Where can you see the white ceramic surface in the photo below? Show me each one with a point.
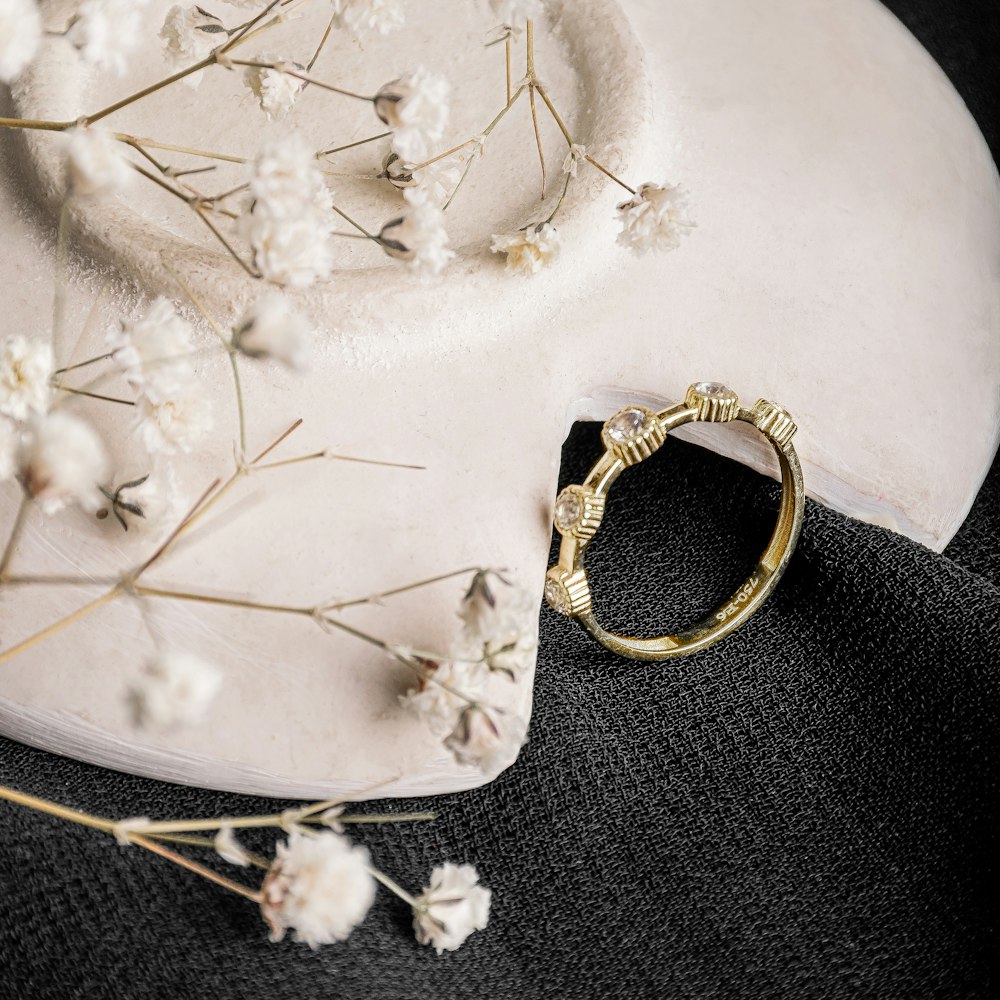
(845, 264)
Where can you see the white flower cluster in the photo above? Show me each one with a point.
(451, 907)
(320, 887)
(176, 689)
(497, 640)
(190, 35)
(106, 32)
(290, 219)
(655, 218)
(58, 458)
(155, 353)
(94, 163)
(418, 236)
(20, 35)
(276, 91)
(415, 107)
(272, 330)
(359, 16)
(528, 250)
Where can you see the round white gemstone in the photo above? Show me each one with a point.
(714, 390)
(626, 424)
(556, 596)
(569, 510)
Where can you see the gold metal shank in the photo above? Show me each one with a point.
(566, 586)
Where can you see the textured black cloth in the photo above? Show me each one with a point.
(808, 809)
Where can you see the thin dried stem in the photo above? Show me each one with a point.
(351, 145)
(84, 364)
(230, 602)
(332, 456)
(93, 395)
(58, 626)
(322, 43)
(538, 134)
(305, 77)
(54, 809)
(393, 887)
(193, 866)
(405, 588)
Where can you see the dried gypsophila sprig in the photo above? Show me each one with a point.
(416, 108)
(319, 886)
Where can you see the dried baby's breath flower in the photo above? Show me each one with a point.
(8, 449)
(290, 220)
(528, 250)
(515, 14)
(61, 461)
(451, 907)
(148, 504)
(319, 887)
(272, 329)
(189, 35)
(575, 155)
(154, 351)
(174, 422)
(359, 16)
(176, 689)
(415, 107)
(498, 619)
(94, 162)
(486, 737)
(20, 34)
(437, 698)
(654, 218)
(439, 179)
(106, 32)
(275, 90)
(229, 848)
(25, 370)
(418, 236)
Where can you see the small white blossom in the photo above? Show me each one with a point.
(528, 250)
(498, 620)
(486, 738)
(438, 179)
(191, 34)
(124, 829)
(654, 219)
(229, 848)
(515, 14)
(94, 162)
(8, 449)
(61, 461)
(319, 887)
(155, 350)
(273, 330)
(20, 35)
(175, 423)
(418, 236)
(25, 370)
(415, 107)
(438, 702)
(149, 504)
(451, 907)
(275, 90)
(290, 221)
(106, 32)
(575, 155)
(176, 689)
(359, 16)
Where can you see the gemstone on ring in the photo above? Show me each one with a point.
(567, 592)
(713, 401)
(633, 434)
(578, 512)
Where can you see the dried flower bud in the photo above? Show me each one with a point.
(389, 99)
(397, 172)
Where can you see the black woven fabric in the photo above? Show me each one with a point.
(809, 809)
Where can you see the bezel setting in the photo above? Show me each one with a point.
(589, 512)
(633, 434)
(568, 592)
(713, 401)
(774, 421)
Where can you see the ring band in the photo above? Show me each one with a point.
(632, 435)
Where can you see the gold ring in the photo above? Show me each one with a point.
(632, 435)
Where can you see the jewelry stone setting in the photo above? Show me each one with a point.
(568, 592)
(713, 401)
(633, 434)
(578, 512)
